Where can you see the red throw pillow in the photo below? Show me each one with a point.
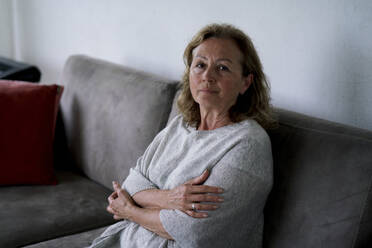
(28, 115)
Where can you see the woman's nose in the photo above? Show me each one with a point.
(209, 75)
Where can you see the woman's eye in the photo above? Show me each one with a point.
(200, 65)
(223, 68)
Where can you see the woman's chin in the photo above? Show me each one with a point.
(208, 103)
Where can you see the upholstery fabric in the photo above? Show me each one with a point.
(78, 240)
(27, 122)
(111, 114)
(174, 109)
(30, 214)
(300, 120)
(321, 186)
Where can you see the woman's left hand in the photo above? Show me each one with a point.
(120, 203)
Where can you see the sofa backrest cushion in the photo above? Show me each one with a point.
(322, 189)
(174, 109)
(295, 119)
(111, 114)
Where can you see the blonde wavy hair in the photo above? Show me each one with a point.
(254, 103)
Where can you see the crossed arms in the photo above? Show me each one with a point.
(144, 207)
(245, 174)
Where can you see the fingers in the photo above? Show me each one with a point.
(205, 189)
(116, 185)
(193, 211)
(118, 189)
(204, 198)
(196, 214)
(207, 207)
(110, 210)
(185, 189)
(202, 193)
(116, 217)
(200, 179)
(113, 212)
(123, 193)
(112, 197)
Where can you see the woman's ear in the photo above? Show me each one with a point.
(247, 81)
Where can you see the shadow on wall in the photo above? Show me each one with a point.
(346, 77)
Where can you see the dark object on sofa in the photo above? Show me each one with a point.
(322, 170)
(13, 70)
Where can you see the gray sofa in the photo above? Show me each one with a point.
(322, 194)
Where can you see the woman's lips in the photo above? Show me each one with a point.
(208, 91)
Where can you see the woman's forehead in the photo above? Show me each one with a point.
(218, 48)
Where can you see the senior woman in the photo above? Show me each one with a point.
(205, 178)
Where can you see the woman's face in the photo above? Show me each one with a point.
(216, 77)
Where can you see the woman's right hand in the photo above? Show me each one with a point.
(193, 193)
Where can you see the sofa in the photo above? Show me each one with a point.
(108, 115)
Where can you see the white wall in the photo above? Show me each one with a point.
(6, 29)
(317, 54)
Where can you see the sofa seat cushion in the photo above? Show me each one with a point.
(77, 240)
(322, 190)
(30, 214)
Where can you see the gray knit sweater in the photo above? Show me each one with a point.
(239, 157)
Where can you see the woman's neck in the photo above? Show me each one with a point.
(210, 120)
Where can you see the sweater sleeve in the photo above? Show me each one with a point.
(137, 179)
(245, 173)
